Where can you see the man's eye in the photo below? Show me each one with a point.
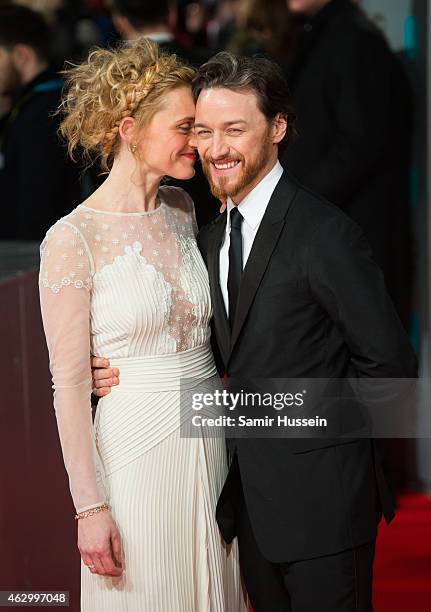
(235, 131)
(203, 133)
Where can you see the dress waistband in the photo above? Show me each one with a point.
(169, 372)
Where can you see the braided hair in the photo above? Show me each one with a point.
(111, 84)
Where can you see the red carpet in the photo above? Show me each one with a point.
(403, 559)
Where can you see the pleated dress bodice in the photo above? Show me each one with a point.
(148, 283)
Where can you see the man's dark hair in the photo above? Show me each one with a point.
(141, 13)
(257, 74)
(21, 25)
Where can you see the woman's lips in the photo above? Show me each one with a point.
(190, 156)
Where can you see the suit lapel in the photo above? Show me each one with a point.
(221, 322)
(263, 246)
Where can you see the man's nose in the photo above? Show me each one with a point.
(218, 148)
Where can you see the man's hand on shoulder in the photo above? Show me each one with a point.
(104, 377)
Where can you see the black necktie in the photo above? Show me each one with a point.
(235, 262)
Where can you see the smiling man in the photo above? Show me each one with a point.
(235, 164)
(295, 294)
(238, 151)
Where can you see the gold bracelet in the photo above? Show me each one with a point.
(87, 513)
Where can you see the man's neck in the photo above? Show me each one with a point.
(249, 188)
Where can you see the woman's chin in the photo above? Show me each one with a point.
(183, 175)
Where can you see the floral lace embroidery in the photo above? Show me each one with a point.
(81, 248)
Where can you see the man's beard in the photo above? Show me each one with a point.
(221, 188)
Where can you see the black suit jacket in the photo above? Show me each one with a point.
(350, 92)
(312, 303)
(38, 183)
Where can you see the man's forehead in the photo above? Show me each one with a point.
(225, 96)
(230, 105)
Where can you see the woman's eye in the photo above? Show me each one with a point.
(185, 129)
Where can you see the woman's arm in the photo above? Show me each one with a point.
(65, 284)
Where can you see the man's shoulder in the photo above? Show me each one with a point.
(38, 115)
(307, 200)
(351, 28)
(315, 213)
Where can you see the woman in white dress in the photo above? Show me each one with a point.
(121, 276)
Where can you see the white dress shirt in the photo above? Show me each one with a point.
(160, 37)
(252, 208)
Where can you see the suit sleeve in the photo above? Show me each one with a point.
(350, 287)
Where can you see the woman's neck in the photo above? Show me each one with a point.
(128, 188)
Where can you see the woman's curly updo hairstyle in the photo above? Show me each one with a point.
(128, 81)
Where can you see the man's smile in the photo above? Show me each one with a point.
(224, 167)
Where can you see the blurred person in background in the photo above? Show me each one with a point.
(227, 15)
(262, 30)
(192, 22)
(37, 182)
(155, 19)
(353, 104)
(47, 7)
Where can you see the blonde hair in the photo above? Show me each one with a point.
(128, 81)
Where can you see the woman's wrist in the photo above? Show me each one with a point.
(92, 511)
(100, 502)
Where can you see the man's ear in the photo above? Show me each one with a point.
(279, 128)
(22, 55)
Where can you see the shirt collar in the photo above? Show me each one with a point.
(254, 205)
(160, 37)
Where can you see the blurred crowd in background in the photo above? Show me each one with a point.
(351, 94)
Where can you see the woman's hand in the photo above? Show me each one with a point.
(100, 545)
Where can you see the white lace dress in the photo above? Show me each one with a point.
(133, 287)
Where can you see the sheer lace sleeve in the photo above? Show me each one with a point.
(65, 284)
(191, 206)
(180, 200)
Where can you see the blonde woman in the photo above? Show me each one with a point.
(121, 276)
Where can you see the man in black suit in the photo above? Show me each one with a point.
(296, 294)
(38, 183)
(354, 108)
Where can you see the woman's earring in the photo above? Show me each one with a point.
(133, 148)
